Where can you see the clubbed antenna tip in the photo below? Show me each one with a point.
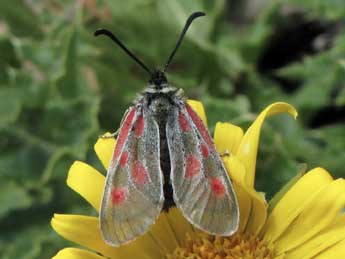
(189, 21)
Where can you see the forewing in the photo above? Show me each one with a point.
(202, 188)
(133, 192)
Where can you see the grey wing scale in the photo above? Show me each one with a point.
(133, 193)
(202, 188)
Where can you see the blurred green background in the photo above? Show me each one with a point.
(60, 88)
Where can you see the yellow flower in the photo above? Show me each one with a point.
(305, 222)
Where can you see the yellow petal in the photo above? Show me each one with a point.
(104, 148)
(179, 225)
(317, 215)
(277, 197)
(164, 234)
(281, 256)
(321, 242)
(86, 181)
(82, 230)
(198, 107)
(227, 137)
(235, 169)
(258, 212)
(85, 231)
(335, 252)
(245, 204)
(293, 202)
(248, 147)
(76, 253)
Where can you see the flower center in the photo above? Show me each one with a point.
(204, 246)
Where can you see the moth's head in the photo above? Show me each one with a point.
(158, 79)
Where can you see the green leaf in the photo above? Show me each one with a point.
(10, 106)
(333, 9)
(69, 82)
(235, 110)
(35, 242)
(8, 55)
(177, 12)
(279, 195)
(21, 18)
(12, 197)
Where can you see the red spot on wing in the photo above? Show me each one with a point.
(200, 126)
(193, 166)
(139, 173)
(126, 126)
(204, 150)
(184, 124)
(139, 126)
(217, 187)
(123, 159)
(118, 195)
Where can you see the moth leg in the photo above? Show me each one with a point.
(110, 135)
(225, 153)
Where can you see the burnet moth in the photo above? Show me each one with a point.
(164, 156)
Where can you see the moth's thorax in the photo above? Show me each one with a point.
(160, 100)
(160, 106)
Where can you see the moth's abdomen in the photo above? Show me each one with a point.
(166, 169)
(161, 118)
(161, 106)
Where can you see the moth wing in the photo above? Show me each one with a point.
(133, 192)
(202, 188)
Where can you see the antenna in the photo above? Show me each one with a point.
(186, 26)
(123, 47)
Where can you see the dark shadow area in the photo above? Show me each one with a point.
(293, 39)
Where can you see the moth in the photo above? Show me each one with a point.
(164, 156)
